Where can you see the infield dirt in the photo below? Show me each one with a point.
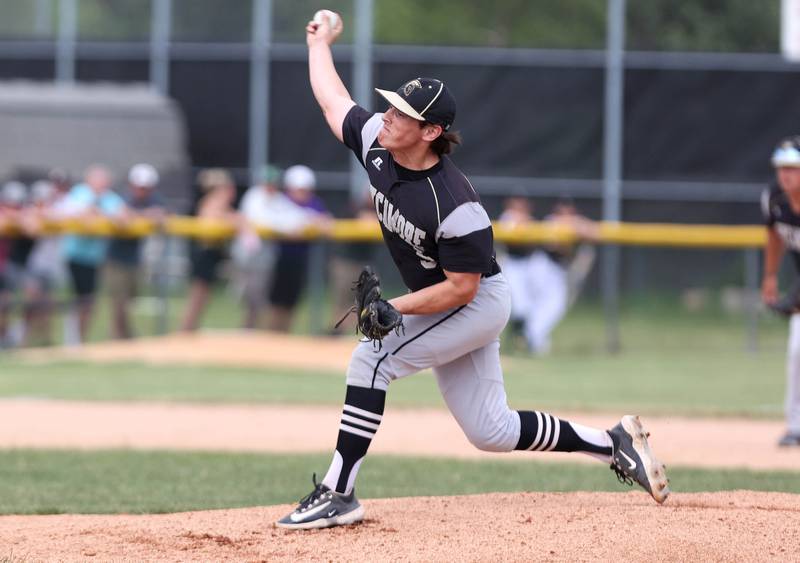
(26, 423)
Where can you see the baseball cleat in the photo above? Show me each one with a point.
(633, 461)
(790, 439)
(323, 508)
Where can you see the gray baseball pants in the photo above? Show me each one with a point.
(793, 376)
(462, 346)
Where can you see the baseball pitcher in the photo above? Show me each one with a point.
(440, 239)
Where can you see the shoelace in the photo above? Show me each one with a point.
(315, 494)
(622, 477)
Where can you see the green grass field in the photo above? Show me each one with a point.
(731, 384)
(45, 482)
(672, 362)
(581, 331)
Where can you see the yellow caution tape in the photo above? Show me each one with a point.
(642, 234)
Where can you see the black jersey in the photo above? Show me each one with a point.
(778, 215)
(432, 220)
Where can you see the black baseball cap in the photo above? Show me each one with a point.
(424, 99)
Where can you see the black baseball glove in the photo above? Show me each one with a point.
(789, 304)
(376, 317)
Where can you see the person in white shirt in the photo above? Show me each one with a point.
(293, 256)
(263, 206)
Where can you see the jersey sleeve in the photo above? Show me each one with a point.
(766, 207)
(465, 239)
(359, 131)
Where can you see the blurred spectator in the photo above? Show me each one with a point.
(517, 212)
(263, 206)
(216, 203)
(88, 201)
(45, 268)
(539, 277)
(347, 261)
(5, 222)
(291, 265)
(577, 258)
(14, 196)
(60, 181)
(5, 243)
(121, 270)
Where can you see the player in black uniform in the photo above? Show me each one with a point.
(780, 204)
(440, 238)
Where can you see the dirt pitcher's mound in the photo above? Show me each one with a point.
(729, 526)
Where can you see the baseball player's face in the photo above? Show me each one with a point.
(789, 179)
(399, 131)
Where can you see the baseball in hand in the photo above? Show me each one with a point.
(332, 17)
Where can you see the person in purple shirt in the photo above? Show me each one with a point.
(291, 265)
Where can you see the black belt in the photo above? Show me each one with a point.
(495, 270)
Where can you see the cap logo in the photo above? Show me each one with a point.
(410, 86)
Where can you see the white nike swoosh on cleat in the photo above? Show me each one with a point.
(633, 463)
(298, 516)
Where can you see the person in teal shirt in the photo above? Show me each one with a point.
(84, 255)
